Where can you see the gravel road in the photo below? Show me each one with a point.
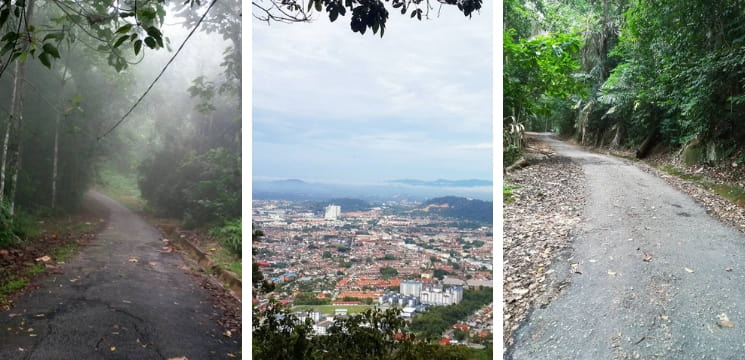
(655, 275)
(121, 297)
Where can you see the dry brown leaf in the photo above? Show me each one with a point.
(179, 358)
(44, 258)
(520, 291)
(227, 333)
(724, 321)
(728, 268)
(132, 260)
(113, 348)
(689, 270)
(647, 257)
(664, 317)
(611, 273)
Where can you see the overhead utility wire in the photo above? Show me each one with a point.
(159, 75)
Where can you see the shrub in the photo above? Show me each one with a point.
(229, 234)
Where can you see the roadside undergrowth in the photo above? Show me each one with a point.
(53, 241)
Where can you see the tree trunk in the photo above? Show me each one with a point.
(15, 148)
(616, 138)
(647, 144)
(17, 85)
(60, 111)
(54, 163)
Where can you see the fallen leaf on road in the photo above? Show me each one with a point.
(126, 301)
(132, 260)
(664, 317)
(179, 358)
(227, 333)
(113, 348)
(520, 291)
(724, 321)
(689, 270)
(152, 263)
(611, 273)
(44, 258)
(230, 355)
(575, 268)
(647, 257)
(40, 315)
(728, 268)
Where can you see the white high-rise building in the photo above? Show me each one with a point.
(332, 212)
(438, 296)
(410, 287)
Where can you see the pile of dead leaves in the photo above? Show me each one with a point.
(547, 202)
(229, 308)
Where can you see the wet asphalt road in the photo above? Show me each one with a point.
(622, 307)
(105, 306)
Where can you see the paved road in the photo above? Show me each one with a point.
(106, 307)
(623, 307)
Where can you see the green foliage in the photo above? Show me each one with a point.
(22, 39)
(200, 188)
(462, 208)
(544, 65)
(65, 252)
(36, 269)
(510, 154)
(258, 283)
(308, 298)
(364, 15)
(229, 235)
(507, 192)
(373, 334)
(440, 273)
(432, 323)
(15, 229)
(388, 272)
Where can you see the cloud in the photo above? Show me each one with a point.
(329, 96)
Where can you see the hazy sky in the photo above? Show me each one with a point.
(332, 105)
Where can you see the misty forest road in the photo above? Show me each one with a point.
(107, 306)
(620, 306)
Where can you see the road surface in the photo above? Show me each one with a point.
(107, 306)
(657, 278)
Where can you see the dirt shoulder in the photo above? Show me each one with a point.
(546, 203)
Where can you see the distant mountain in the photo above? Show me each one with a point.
(299, 190)
(444, 183)
(460, 208)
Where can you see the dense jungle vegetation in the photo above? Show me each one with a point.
(72, 72)
(629, 73)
